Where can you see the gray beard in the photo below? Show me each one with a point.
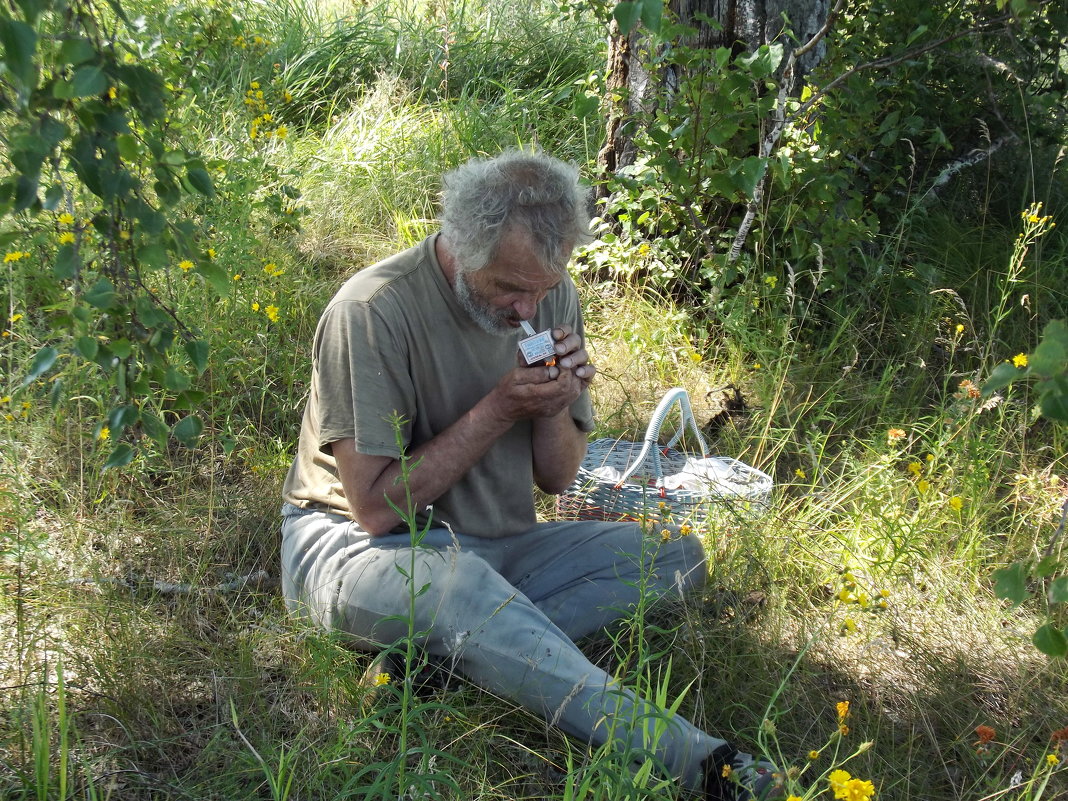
(490, 320)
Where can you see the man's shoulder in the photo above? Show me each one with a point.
(400, 272)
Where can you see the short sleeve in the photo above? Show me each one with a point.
(362, 380)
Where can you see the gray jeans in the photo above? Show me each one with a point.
(506, 612)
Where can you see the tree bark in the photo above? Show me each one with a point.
(744, 25)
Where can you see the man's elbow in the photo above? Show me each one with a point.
(553, 485)
(375, 519)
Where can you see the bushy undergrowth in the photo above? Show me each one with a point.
(148, 654)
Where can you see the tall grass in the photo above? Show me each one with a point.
(174, 684)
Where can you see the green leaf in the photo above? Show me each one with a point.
(187, 430)
(122, 417)
(88, 347)
(1002, 375)
(53, 197)
(121, 456)
(626, 15)
(155, 428)
(201, 181)
(198, 354)
(748, 173)
(1058, 591)
(652, 14)
(1010, 583)
(88, 81)
(20, 44)
(129, 148)
(76, 51)
(1054, 401)
(1051, 641)
(40, 365)
(216, 276)
(175, 380)
(1050, 357)
(101, 294)
(67, 262)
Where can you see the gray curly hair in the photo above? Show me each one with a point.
(484, 198)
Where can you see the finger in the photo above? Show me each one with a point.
(586, 372)
(577, 358)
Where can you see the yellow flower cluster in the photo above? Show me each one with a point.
(846, 788)
(16, 255)
(263, 125)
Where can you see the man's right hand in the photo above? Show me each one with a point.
(526, 393)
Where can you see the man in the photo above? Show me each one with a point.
(417, 356)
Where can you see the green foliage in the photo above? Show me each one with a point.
(87, 133)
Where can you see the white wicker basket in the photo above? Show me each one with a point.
(624, 480)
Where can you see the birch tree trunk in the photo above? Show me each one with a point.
(743, 25)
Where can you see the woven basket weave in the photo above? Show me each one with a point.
(639, 492)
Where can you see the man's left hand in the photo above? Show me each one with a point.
(571, 356)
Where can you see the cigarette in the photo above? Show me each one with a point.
(528, 329)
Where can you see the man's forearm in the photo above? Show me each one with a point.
(441, 462)
(559, 446)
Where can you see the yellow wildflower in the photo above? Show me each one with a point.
(112, 93)
(1019, 360)
(813, 755)
(255, 84)
(915, 468)
(686, 529)
(15, 318)
(757, 365)
(665, 535)
(237, 276)
(382, 679)
(66, 218)
(255, 307)
(11, 256)
(696, 357)
(281, 132)
(104, 435)
(857, 790)
(211, 253)
(185, 265)
(838, 779)
(923, 485)
(273, 269)
(66, 238)
(1052, 760)
(956, 503)
(287, 96)
(960, 328)
(124, 234)
(849, 625)
(5, 399)
(843, 710)
(800, 473)
(727, 771)
(272, 313)
(771, 280)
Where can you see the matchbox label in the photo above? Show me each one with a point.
(537, 348)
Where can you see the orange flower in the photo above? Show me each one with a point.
(894, 434)
(985, 734)
(1060, 735)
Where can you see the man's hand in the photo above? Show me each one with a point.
(526, 393)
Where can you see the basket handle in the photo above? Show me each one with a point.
(652, 432)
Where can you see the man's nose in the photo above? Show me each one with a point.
(526, 307)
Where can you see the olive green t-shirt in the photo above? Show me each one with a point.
(394, 343)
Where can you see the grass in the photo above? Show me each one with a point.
(127, 673)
